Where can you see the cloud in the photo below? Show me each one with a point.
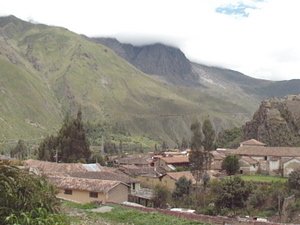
(239, 9)
(258, 38)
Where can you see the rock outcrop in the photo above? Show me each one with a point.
(277, 122)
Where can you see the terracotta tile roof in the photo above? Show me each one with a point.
(249, 160)
(177, 175)
(268, 151)
(52, 167)
(133, 161)
(218, 155)
(133, 170)
(104, 175)
(82, 184)
(175, 159)
(252, 142)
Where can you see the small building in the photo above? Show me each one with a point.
(252, 142)
(248, 165)
(134, 184)
(169, 179)
(170, 163)
(83, 190)
(271, 160)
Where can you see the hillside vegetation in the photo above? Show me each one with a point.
(47, 71)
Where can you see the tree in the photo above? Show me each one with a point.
(70, 145)
(20, 151)
(184, 144)
(26, 199)
(164, 146)
(294, 180)
(231, 193)
(230, 138)
(209, 135)
(182, 188)
(231, 164)
(72, 141)
(196, 156)
(160, 196)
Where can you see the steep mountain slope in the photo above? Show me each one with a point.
(167, 62)
(171, 65)
(276, 122)
(46, 71)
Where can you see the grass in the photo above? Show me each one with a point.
(263, 178)
(123, 215)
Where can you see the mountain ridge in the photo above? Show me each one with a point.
(61, 71)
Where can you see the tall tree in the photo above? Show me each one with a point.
(196, 156)
(72, 141)
(208, 141)
(70, 145)
(209, 135)
(20, 151)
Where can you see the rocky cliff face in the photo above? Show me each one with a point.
(277, 122)
(156, 59)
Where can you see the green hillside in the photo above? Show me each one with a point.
(46, 71)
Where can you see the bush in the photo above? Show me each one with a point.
(27, 199)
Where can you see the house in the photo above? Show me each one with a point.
(147, 176)
(134, 184)
(169, 179)
(268, 160)
(248, 165)
(170, 163)
(140, 161)
(143, 196)
(43, 167)
(82, 190)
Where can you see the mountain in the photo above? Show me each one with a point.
(276, 122)
(169, 63)
(48, 71)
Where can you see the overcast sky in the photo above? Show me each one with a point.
(260, 38)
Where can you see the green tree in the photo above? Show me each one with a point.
(294, 180)
(160, 196)
(230, 138)
(26, 199)
(70, 145)
(182, 188)
(197, 156)
(231, 164)
(209, 135)
(231, 193)
(20, 151)
(184, 144)
(47, 149)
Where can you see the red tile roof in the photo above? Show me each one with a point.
(268, 151)
(177, 175)
(252, 142)
(175, 159)
(82, 184)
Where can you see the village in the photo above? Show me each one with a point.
(133, 178)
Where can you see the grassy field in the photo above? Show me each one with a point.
(120, 215)
(263, 178)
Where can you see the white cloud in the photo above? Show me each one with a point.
(265, 44)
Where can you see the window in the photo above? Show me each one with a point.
(68, 192)
(266, 157)
(93, 194)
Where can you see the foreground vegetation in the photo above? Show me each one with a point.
(122, 215)
(26, 199)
